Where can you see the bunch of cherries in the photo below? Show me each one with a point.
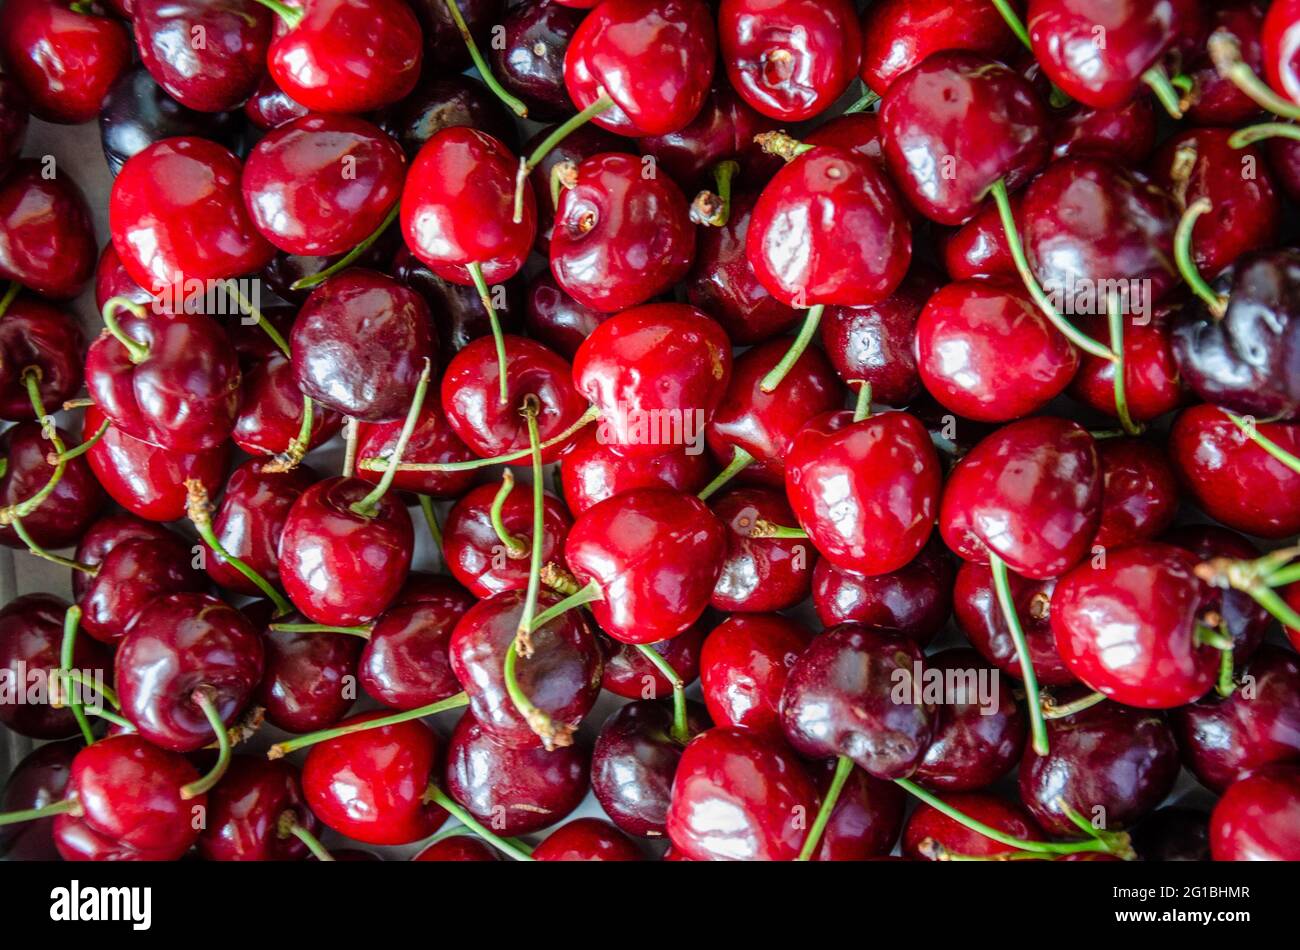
(688, 369)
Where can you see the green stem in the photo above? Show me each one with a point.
(289, 827)
(681, 733)
(585, 595)
(12, 514)
(1217, 304)
(360, 631)
(114, 718)
(1225, 51)
(532, 406)
(64, 807)
(1115, 321)
(1275, 605)
(558, 135)
(440, 798)
(346, 261)
(498, 338)
(806, 334)
(259, 318)
(1284, 577)
(843, 769)
(351, 434)
(1001, 582)
(10, 293)
(763, 528)
(21, 530)
(205, 697)
(1208, 637)
(514, 546)
(868, 99)
(85, 682)
(431, 519)
(288, 14)
(1225, 686)
(723, 175)
(137, 351)
(1013, 21)
(367, 507)
(1264, 130)
(294, 452)
(862, 409)
(81, 449)
(281, 749)
(553, 734)
(71, 620)
(481, 64)
(199, 510)
(1052, 710)
(1165, 91)
(739, 459)
(1251, 430)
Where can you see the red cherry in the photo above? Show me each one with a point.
(1244, 619)
(898, 35)
(35, 334)
(1257, 817)
(406, 663)
(866, 819)
(743, 669)
(433, 441)
(458, 848)
(270, 413)
(1277, 41)
(270, 106)
(306, 682)
(930, 835)
(578, 146)
(556, 319)
(629, 673)
(1152, 383)
(478, 557)
(979, 247)
(1125, 134)
(59, 520)
(46, 240)
(1139, 492)
(759, 574)
(40, 779)
(246, 811)
(593, 471)
(216, 75)
(1218, 100)
(586, 839)
(915, 600)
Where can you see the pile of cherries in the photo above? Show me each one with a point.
(908, 319)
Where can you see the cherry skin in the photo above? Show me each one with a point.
(360, 343)
(898, 35)
(270, 413)
(822, 192)
(246, 808)
(112, 280)
(217, 75)
(930, 834)
(459, 317)
(529, 59)
(370, 785)
(979, 247)
(36, 334)
(406, 663)
(693, 359)
(13, 124)
(1139, 492)
(31, 632)
(443, 36)
(1218, 100)
(1154, 384)
(655, 555)
(1244, 619)
(915, 600)
(144, 479)
(269, 106)
(513, 791)
(458, 848)
(65, 60)
(856, 131)
(789, 60)
(194, 229)
(866, 819)
(734, 798)
(577, 147)
(587, 839)
(1126, 134)
(322, 184)
(347, 55)
(594, 470)
(556, 319)
(439, 102)
(743, 669)
(759, 574)
(1122, 760)
(629, 673)
(60, 519)
(633, 764)
(479, 559)
(973, 114)
(457, 207)
(40, 779)
(340, 567)
(305, 684)
(433, 441)
(1278, 49)
(986, 352)
(652, 58)
(46, 240)
(620, 237)
(1257, 817)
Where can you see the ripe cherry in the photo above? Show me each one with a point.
(594, 470)
(1257, 817)
(759, 574)
(1154, 384)
(556, 319)
(529, 58)
(1126, 134)
(743, 669)
(1218, 100)
(55, 519)
(931, 835)
(433, 442)
(915, 600)
(1242, 617)
(1139, 492)
(38, 780)
(46, 240)
(631, 674)
(458, 848)
(306, 683)
(406, 662)
(37, 335)
(251, 811)
(459, 316)
(898, 34)
(475, 550)
(586, 839)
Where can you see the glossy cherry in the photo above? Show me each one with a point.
(578, 146)
(594, 470)
(270, 413)
(915, 600)
(1277, 48)
(898, 34)
(39, 779)
(406, 662)
(307, 681)
(1139, 492)
(629, 673)
(587, 839)
(930, 834)
(1154, 384)
(556, 319)
(46, 240)
(1218, 100)
(59, 520)
(250, 519)
(1125, 134)
(759, 574)
(217, 74)
(442, 36)
(247, 811)
(37, 335)
(1256, 819)
(477, 556)
(743, 669)
(269, 106)
(529, 59)
(459, 316)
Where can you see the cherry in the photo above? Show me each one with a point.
(789, 59)
(743, 669)
(359, 343)
(53, 520)
(955, 126)
(305, 684)
(322, 184)
(345, 55)
(1125, 134)
(458, 848)
(65, 59)
(1153, 381)
(270, 416)
(40, 779)
(759, 574)
(459, 316)
(556, 319)
(46, 240)
(1277, 47)
(1139, 492)
(1256, 819)
(985, 351)
(37, 335)
(406, 662)
(593, 471)
(1244, 619)
(1107, 762)
(529, 57)
(514, 791)
(112, 280)
(269, 106)
(443, 36)
(13, 123)
(488, 561)
(370, 785)
(218, 74)
(144, 479)
(915, 600)
(653, 556)
(31, 632)
(866, 818)
(587, 839)
(1174, 834)
(643, 415)
(1218, 100)
(439, 102)
(633, 763)
(856, 131)
(251, 810)
(898, 35)
(931, 835)
(433, 442)
(647, 65)
(1233, 479)
(979, 248)
(578, 146)
(620, 237)
(630, 673)
(194, 229)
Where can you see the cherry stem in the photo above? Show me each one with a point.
(1251, 430)
(198, 508)
(514, 546)
(285, 12)
(1002, 584)
(1165, 92)
(1265, 130)
(843, 769)
(378, 464)
(80, 450)
(368, 507)
(68, 806)
(1013, 21)
(1217, 304)
(10, 293)
(584, 595)
(714, 210)
(281, 749)
(71, 620)
(431, 519)
(1072, 333)
(33, 548)
(1053, 710)
(782, 145)
(1225, 687)
(359, 631)
(862, 408)
(564, 175)
(1287, 575)
(739, 459)
(248, 310)
(523, 644)
(346, 261)
(485, 71)
(806, 333)
(553, 735)
(762, 528)
(206, 699)
(485, 297)
(350, 437)
(1115, 323)
(294, 452)
(1275, 605)
(119, 721)
(440, 798)
(681, 733)
(137, 351)
(288, 826)
(868, 99)
(85, 682)
(1225, 51)
(558, 135)
(1208, 637)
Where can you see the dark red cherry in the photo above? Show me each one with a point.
(1153, 381)
(338, 566)
(59, 520)
(1108, 763)
(433, 441)
(46, 240)
(594, 470)
(652, 58)
(513, 791)
(347, 55)
(929, 118)
(309, 679)
(556, 319)
(1125, 134)
(620, 237)
(979, 248)
(458, 314)
(528, 57)
(112, 280)
(855, 131)
(270, 106)
(1174, 833)
(360, 343)
(930, 834)
(743, 669)
(459, 848)
(654, 554)
(247, 809)
(1244, 619)
(13, 128)
(587, 839)
(898, 34)
(1257, 817)
(270, 413)
(739, 796)
(31, 632)
(250, 519)
(370, 785)
(220, 72)
(439, 102)
(64, 57)
(1218, 101)
(1139, 492)
(193, 228)
(629, 673)
(406, 663)
(1277, 46)
(37, 335)
(446, 52)
(144, 479)
(179, 644)
(1030, 493)
(789, 59)
(578, 146)
(39, 779)
(478, 557)
(915, 600)
(866, 819)
(759, 574)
